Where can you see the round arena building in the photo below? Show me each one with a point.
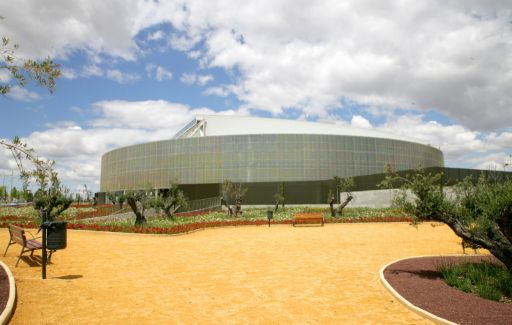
(261, 153)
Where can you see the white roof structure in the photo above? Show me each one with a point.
(222, 125)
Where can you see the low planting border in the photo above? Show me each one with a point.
(188, 227)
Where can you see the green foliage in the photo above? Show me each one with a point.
(232, 197)
(3, 192)
(170, 201)
(232, 192)
(488, 280)
(279, 197)
(14, 193)
(479, 212)
(342, 185)
(120, 200)
(50, 195)
(140, 202)
(43, 72)
(111, 197)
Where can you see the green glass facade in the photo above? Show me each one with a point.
(258, 158)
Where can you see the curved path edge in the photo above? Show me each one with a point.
(407, 303)
(9, 307)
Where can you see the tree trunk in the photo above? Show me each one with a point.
(494, 241)
(277, 206)
(140, 219)
(331, 206)
(339, 210)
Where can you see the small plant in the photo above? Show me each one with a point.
(279, 197)
(232, 196)
(488, 280)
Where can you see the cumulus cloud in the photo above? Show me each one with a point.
(158, 35)
(461, 146)
(121, 77)
(193, 78)
(445, 56)
(448, 56)
(60, 27)
(77, 149)
(158, 72)
(22, 94)
(360, 122)
(217, 91)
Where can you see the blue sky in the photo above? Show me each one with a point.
(136, 71)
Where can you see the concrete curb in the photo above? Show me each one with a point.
(405, 302)
(6, 314)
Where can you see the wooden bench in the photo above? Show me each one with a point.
(308, 218)
(18, 237)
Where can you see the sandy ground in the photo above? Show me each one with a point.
(243, 275)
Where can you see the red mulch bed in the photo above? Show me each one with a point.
(4, 289)
(418, 281)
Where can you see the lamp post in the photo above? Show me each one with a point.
(44, 215)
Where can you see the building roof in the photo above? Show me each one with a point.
(222, 125)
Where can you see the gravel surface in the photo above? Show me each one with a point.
(418, 281)
(4, 289)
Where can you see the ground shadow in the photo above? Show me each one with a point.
(424, 274)
(69, 277)
(34, 261)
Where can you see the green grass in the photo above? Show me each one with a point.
(488, 280)
(253, 214)
(28, 216)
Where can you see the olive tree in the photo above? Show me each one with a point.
(279, 197)
(480, 212)
(169, 201)
(343, 185)
(50, 196)
(232, 196)
(140, 201)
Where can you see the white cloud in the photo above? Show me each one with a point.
(192, 78)
(77, 150)
(22, 94)
(92, 70)
(5, 76)
(188, 78)
(158, 35)
(58, 28)
(360, 122)
(204, 79)
(217, 91)
(163, 74)
(445, 56)
(68, 73)
(461, 146)
(449, 56)
(158, 72)
(121, 77)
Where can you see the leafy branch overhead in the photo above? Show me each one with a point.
(45, 72)
(50, 196)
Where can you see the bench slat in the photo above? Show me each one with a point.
(33, 244)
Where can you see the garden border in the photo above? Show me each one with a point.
(422, 312)
(9, 307)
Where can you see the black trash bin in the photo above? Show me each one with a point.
(56, 236)
(269, 216)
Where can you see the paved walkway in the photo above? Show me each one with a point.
(243, 275)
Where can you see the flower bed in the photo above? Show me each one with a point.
(190, 221)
